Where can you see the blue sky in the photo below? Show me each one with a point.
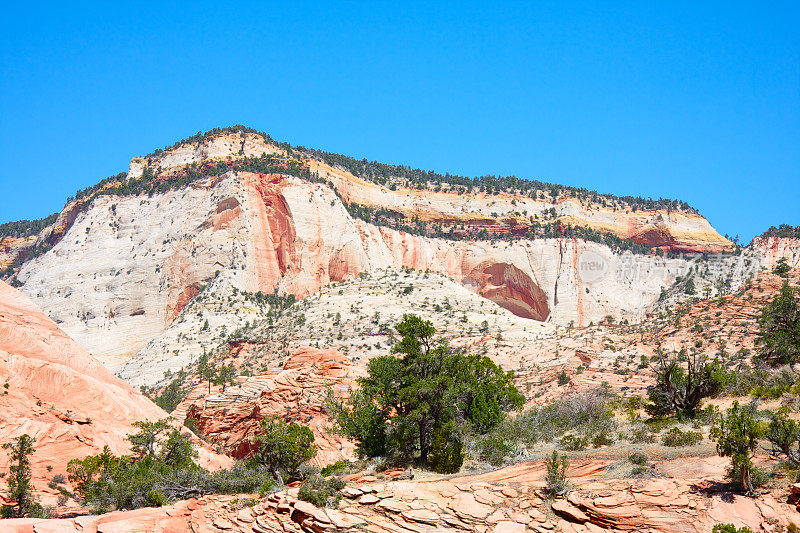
(692, 100)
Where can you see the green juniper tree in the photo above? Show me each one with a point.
(779, 329)
(737, 434)
(225, 376)
(783, 433)
(22, 502)
(282, 447)
(420, 404)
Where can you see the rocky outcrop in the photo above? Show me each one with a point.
(137, 261)
(56, 392)
(505, 501)
(128, 265)
(512, 213)
(296, 392)
(771, 249)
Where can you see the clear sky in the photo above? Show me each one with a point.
(692, 100)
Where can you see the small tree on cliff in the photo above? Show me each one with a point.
(782, 268)
(737, 436)
(225, 376)
(206, 370)
(22, 502)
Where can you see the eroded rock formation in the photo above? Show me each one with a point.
(56, 392)
(505, 501)
(296, 392)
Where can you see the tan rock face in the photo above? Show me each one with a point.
(60, 395)
(137, 261)
(508, 213)
(772, 248)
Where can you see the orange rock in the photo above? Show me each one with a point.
(296, 392)
(61, 395)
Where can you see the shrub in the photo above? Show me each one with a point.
(681, 391)
(282, 447)
(676, 437)
(782, 267)
(730, 528)
(783, 433)
(321, 491)
(601, 439)
(556, 477)
(446, 449)
(778, 340)
(335, 468)
(21, 502)
(158, 476)
(642, 433)
(637, 458)
(737, 436)
(493, 449)
(155, 498)
(573, 443)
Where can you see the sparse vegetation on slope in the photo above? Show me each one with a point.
(161, 469)
(26, 228)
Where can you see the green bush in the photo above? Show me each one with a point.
(282, 447)
(573, 443)
(642, 433)
(601, 439)
(161, 470)
(556, 484)
(155, 498)
(730, 528)
(321, 491)
(423, 401)
(783, 433)
(335, 468)
(637, 458)
(676, 437)
(447, 454)
(778, 340)
(737, 435)
(21, 501)
(493, 449)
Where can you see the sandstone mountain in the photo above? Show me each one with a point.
(293, 265)
(270, 217)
